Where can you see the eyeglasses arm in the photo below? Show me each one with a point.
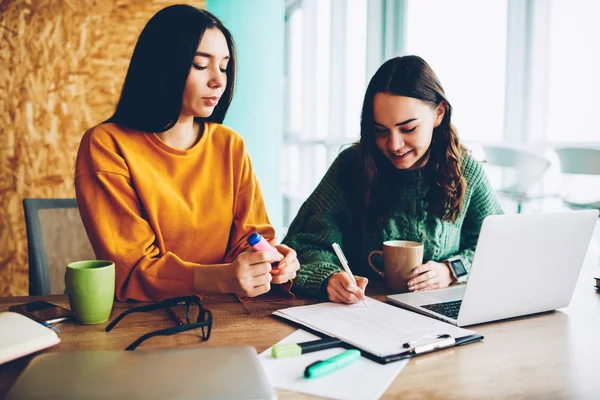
(151, 307)
(167, 332)
(146, 308)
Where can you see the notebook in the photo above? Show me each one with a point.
(174, 373)
(383, 333)
(20, 336)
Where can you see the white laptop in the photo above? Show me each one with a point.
(230, 373)
(524, 264)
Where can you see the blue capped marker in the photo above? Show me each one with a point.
(259, 243)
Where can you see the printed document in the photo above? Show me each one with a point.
(380, 329)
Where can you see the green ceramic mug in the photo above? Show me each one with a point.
(90, 285)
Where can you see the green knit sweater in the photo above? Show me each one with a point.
(329, 216)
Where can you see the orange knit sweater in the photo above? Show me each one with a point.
(158, 212)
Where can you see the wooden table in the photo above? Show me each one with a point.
(547, 356)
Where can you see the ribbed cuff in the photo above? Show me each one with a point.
(311, 278)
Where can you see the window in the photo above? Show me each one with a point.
(464, 41)
(518, 72)
(574, 62)
(325, 85)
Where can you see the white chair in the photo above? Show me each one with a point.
(523, 170)
(582, 166)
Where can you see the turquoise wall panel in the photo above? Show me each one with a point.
(256, 113)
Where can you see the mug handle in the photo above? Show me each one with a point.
(380, 272)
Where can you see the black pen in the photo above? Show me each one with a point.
(282, 350)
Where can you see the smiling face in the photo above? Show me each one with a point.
(404, 128)
(208, 77)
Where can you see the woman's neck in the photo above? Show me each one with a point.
(183, 135)
(420, 163)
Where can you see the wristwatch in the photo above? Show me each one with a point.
(457, 269)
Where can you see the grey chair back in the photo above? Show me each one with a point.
(583, 166)
(525, 169)
(55, 237)
(581, 161)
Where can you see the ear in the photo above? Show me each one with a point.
(440, 111)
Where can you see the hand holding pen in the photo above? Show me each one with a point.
(343, 287)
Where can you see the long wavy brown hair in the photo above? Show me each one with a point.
(411, 76)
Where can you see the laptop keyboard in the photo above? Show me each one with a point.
(449, 308)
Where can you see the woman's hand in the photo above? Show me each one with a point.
(287, 267)
(250, 273)
(429, 276)
(340, 288)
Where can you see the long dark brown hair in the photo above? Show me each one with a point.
(411, 76)
(152, 94)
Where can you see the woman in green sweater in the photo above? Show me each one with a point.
(408, 178)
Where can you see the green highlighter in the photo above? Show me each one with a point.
(334, 363)
(282, 350)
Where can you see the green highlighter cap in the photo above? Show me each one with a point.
(321, 368)
(283, 350)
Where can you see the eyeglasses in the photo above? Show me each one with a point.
(195, 315)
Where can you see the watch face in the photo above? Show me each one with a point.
(459, 268)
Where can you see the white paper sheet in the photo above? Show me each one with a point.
(363, 379)
(380, 328)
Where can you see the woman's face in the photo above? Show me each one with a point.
(207, 78)
(404, 128)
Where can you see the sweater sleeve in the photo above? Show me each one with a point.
(320, 222)
(250, 214)
(483, 202)
(114, 221)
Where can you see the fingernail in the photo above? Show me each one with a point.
(416, 271)
(281, 265)
(410, 283)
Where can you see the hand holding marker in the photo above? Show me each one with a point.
(259, 243)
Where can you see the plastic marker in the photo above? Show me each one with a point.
(259, 243)
(321, 368)
(283, 350)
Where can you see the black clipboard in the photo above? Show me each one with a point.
(411, 352)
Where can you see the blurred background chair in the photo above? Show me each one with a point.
(521, 172)
(55, 237)
(580, 188)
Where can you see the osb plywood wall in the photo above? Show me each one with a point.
(62, 64)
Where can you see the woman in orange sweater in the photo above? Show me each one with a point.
(164, 190)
